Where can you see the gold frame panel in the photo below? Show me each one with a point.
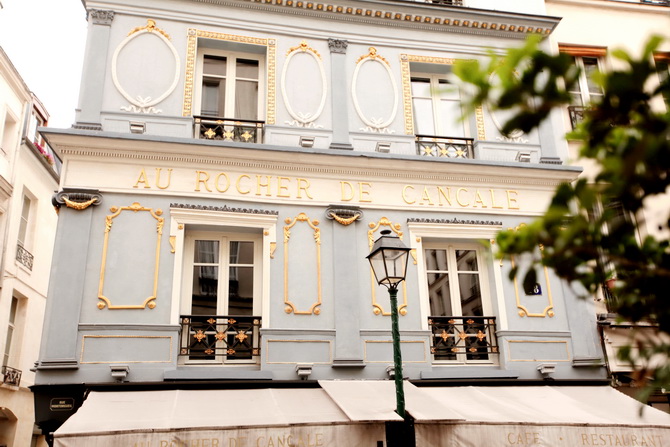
(523, 311)
(290, 223)
(149, 302)
(271, 64)
(377, 309)
(405, 60)
(83, 344)
(567, 351)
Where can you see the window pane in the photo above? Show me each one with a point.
(450, 119)
(241, 291)
(213, 97)
(421, 87)
(247, 69)
(590, 67)
(241, 252)
(471, 295)
(206, 252)
(423, 116)
(214, 65)
(246, 100)
(466, 260)
(23, 226)
(438, 283)
(205, 290)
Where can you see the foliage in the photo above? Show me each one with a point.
(586, 241)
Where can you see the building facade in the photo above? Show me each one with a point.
(232, 163)
(28, 177)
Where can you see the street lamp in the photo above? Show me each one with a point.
(388, 260)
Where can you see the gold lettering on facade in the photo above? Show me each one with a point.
(493, 201)
(425, 197)
(364, 192)
(512, 199)
(158, 178)
(239, 186)
(404, 194)
(347, 191)
(266, 185)
(458, 197)
(142, 179)
(303, 185)
(217, 182)
(441, 193)
(282, 189)
(479, 200)
(199, 180)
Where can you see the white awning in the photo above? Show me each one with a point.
(353, 413)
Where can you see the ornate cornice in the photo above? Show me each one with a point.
(224, 208)
(454, 221)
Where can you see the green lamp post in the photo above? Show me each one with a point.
(388, 260)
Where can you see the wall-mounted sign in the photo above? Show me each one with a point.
(61, 404)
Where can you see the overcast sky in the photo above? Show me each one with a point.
(45, 41)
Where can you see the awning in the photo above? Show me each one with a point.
(352, 413)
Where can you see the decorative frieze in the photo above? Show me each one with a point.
(338, 46)
(101, 16)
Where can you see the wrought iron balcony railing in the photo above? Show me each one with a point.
(226, 129)
(445, 2)
(24, 257)
(449, 147)
(11, 376)
(219, 338)
(463, 338)
(576, 115)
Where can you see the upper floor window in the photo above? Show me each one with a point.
(23, 245)
(11, 328)
(231, 96)
(586, 90)
(662, 61)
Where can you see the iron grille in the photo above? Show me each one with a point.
(446, 2)
(219, 337)
(471, 338)
(449, 147)
(576, 115)
(24, 257)
(11, 376)
(226, 129)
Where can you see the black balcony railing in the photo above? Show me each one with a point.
(218, 338)
(24, 257)
(463, 338)
(11, 376)
(226, 129)
(446, 2)
(449, 147)
(576, 115)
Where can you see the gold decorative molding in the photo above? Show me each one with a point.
(150, 301)
(150, 27)
(377, 309)
(344, 216)
(303, 47)
(191, 54)
(313, 224)
(405, 73)
(413, 253)
(273, 248)
(79, 206)
(372, 54)
(173, 241)
(523, 310)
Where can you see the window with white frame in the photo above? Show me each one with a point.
(221, 298)
(231, 85)
(436, 105)
(11, 330)
(662, 61)
(586, 91)
(222, 292)
(23, 246)
(460, 306)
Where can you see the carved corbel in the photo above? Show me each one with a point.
(77, 199)
(344, 215)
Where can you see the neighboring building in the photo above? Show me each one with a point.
(230, 166)
(28, 177)
(590, 42)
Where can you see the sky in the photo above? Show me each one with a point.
(45, 41)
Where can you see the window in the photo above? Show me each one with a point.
(231, 96)
(11, 328)
(436, 105)
(221, 297)
(585, 91)
(460, 315)
(663, 65)
(23, 255)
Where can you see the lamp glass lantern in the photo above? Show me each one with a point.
(388, 259)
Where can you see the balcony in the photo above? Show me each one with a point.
(226, 129)
(219, 338)
(24, 257)
(445, 147)
(463, 339)
(11, 376)
(576, 115)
